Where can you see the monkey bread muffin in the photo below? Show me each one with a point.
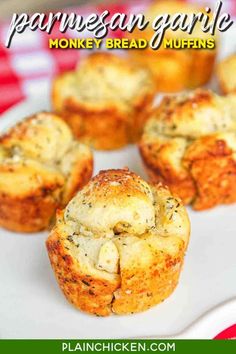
(226, 72)
(175, 69)
(41, 168)
(105, 101)
(189, 144)
(119, 244)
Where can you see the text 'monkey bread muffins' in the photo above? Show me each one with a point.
(189, 144)
(41, 168)
(175, 69)
(105, 101)
(226, 72)
(119, 244)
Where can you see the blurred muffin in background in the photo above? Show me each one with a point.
(175, 69)
(106, 101)
(226, 73)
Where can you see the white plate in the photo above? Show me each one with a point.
(32, 305)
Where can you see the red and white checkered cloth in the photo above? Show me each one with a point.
(29, 65)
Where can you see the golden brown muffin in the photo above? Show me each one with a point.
(106, 101)
(226, 72)
(41, 168)
(119, 245)
(189, 144)
(175, 69)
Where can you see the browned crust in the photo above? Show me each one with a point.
(109, 128)
(29, 214)
(36, 212)
(103, 131)
(184, 188)
(138, 291)
(149, 287)
(213, 169)
(210, 177)
(202, 68)
(92, 295)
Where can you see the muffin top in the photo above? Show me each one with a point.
(41, 151)
(117, 211)
(192, 115)
(104, 80)
(114, 201)
(44, 137)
